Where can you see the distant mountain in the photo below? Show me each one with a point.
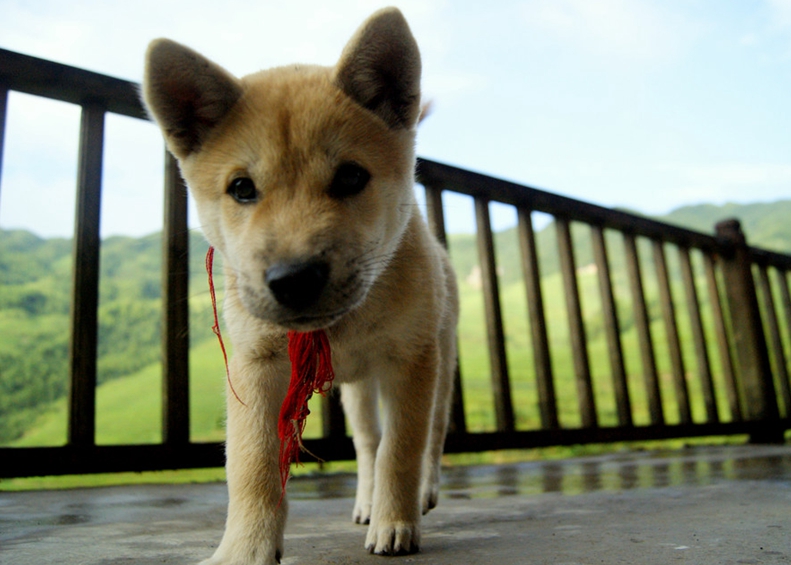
(766, 224)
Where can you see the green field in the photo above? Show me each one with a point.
(128, 408)
(34, 323)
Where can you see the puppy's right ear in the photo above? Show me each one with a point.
(380, 69)
(186, 94)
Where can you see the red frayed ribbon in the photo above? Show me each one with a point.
(311, 372)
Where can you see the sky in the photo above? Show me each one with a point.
(644, 104)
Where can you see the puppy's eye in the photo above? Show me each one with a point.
(350, 179)
(243, 190)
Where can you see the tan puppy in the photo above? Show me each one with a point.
(303, 179)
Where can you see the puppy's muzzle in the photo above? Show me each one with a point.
(297, 285)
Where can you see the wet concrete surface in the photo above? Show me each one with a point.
(710, 505)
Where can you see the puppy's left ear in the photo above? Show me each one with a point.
(186, 94)
(380, 69)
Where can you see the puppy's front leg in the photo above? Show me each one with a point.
(256, 513)
(407, 394)
(360, 400)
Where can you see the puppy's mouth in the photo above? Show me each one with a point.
(317, 317)
(302, 296)
(307, 323)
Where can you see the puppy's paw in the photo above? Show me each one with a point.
(430, 497)
(362, 513)
(397, 538)
(253, 559)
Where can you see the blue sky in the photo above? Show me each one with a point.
(645, 104)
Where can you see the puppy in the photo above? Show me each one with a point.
(303, 180)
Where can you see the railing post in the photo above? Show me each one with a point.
(175, 326)
(643, 326)
(758, 393)
(612, 328)
(333, 422)
(85, 300)
(436, 222)
(545, 383)
(3, 111)
(501, 386)
(579, 340)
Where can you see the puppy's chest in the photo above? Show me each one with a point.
(353, 363)
(360, 344)
(357, 359)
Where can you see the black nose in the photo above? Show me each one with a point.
(297, 285)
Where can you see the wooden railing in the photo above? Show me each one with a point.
(755, 378)
(755, 390)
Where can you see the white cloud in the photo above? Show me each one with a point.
(780, 23)
(39, 165)
(781, 13)
(111, 37)
(243, 35)
(626, 30)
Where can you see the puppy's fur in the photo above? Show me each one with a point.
(303, 179)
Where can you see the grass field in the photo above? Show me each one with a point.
(128, 408)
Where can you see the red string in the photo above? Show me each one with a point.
(216, 327)
(311, 372)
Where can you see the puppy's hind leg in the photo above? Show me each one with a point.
(443, 396)
(407, 391)
(360, 403)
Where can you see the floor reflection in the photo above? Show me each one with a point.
(691, 467)
(698, 466)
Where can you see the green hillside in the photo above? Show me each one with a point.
(35, 289)
(34, 323)
(128, 408)
(765, 224)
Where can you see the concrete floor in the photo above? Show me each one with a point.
(712, 505)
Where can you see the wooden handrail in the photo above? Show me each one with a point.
(756, 406)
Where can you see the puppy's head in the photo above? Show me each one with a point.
(302, 175)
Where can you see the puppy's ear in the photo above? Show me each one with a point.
(186, 94)
(380, 69)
